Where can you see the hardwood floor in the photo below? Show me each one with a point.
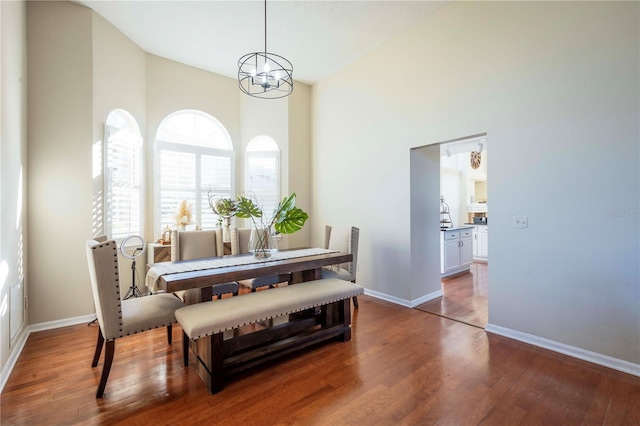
(402, 367)
(464, 297)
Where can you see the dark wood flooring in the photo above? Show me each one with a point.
(402, 367)
(464, 297)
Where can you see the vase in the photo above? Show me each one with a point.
(226, 234)
(262, 242)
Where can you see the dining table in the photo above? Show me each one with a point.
(303, 264)
(197, 276)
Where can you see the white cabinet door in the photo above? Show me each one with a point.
(475, 241)
(466, 252)
(466, 247)
(483, 241)
(451, 255)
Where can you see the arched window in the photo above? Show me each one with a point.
(194, 156)
(262, 168)
(123, 175)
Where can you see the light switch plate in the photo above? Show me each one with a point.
(520, 222)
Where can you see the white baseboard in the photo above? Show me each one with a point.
(13, 357)
(426, 298)
(572, 351)
(386, 297)
(20, 342)
(403, 302)
(50, 325)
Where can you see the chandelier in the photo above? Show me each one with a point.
(263, 74)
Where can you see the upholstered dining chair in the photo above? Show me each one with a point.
(116, 317)
(345, 240)
(240, 245)
(189, 245)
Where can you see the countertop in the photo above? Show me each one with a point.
(457, 228)
(474, 224)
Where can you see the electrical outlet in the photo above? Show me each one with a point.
(520, 222)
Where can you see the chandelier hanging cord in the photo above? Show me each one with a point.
(273, 80)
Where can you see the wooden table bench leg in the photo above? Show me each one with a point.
(338, 313)
(216, 357)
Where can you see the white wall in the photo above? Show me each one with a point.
(13, 158)
(556, 87)
(299, 158)
(425, 238)
(60, 136)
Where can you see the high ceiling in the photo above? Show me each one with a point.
(318, 37)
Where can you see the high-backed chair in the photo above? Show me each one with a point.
(119, 318)
(189, 245)
(186, 245)
(345, 240)
(240, 245)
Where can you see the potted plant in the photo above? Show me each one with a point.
(286, 219)
(225, 209)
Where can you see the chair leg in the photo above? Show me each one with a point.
(170, 333)
(185, 348)
(99, 343)
(355, 302)
(106, 368)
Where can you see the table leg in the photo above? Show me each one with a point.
(308, 275)
(197, 295)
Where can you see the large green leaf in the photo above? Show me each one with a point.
(291, 222)
(286, 219)
(246, 208)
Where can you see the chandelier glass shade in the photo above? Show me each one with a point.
(263, 74)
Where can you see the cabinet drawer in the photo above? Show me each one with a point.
(451, 235)
(466, 233)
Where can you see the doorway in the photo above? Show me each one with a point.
(463, 217)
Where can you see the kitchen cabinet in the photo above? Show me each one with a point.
(456, 250)
(481, 242)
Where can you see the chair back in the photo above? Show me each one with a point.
(344, 239)
(187, 245)
(240, 240)
(102, 257)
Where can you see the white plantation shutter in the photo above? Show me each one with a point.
(215, 177)
(195, 157)
(263, 172)
(123, 176)
(177, 182)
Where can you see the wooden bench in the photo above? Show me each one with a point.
(317, 310)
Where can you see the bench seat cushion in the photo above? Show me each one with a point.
(207, 318)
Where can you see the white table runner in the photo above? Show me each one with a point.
(165, 268)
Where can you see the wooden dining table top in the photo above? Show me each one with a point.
(302, 269)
